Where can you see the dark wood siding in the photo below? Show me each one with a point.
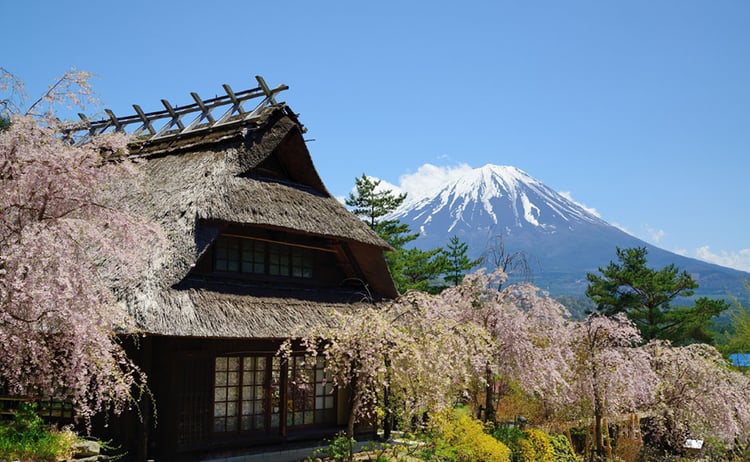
(193, 386)
(183, 386)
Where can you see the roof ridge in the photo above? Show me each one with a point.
(168, 123)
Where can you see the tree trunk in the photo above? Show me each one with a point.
(388, 419)
(599, 430)
(356, 402)
(489, 401)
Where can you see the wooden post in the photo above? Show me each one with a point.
(283, 396)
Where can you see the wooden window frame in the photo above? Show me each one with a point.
(255, 256)
(241, 388)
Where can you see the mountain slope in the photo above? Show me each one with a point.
(561, 240)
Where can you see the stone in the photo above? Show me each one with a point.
(86, 448)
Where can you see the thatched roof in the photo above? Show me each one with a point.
(257, 174)
(204, 313)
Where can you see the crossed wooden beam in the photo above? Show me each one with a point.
(174, 121)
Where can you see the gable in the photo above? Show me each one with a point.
(252, 181)
(289, 161)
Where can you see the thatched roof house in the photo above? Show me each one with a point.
(257, 249)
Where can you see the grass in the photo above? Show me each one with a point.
(27, 438)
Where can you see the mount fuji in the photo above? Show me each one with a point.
(561, 240)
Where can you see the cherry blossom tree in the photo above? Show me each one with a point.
(528, 331)
(698, 396)
(609, 375)
(403, 359)
(69, 91)
(65, 250)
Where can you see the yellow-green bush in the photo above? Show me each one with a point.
(564, 451)
(543, 450)
(462, 439)
(526, 452)
(538, 446)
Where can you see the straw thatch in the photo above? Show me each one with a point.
(258, 175)
(204, 313)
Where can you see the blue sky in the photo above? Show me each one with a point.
(638, 109)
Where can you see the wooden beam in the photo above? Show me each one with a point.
(266, 90)
(175, 116)
(237, 103)
(115, 121)
(205, 111)
(236, 106)
(146, 122)
(235, 112)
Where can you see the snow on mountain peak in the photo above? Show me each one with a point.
(504, 195)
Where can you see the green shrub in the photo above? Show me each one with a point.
(511, 437)
(339, 449)
(564, 451)
(27, 438)
(460, 438)
(508, 435)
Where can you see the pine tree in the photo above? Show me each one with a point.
(412, 269)
(457, 262)
(646, 296)
(372, 206)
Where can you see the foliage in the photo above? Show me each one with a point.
(408, 348)
(412, 269)
(513, 264)
(27, 438)
(339, 449)
(578, 306)
(542, 447)
(535, 445)
(372, 203)
(609, 376)
(739, 340)
(457, 261)
(528, 331)
(646, 295)
(429, 351)
(63, 253)
(509, 436)
(562, 449)
(374, 451)
(698, 396)
(71, 90)
(415, 269)
(460, 438)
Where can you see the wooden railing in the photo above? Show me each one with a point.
(174, 121)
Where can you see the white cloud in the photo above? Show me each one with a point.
(428, 178)
(656, 235)
(569, 196)
(738, 260)
(382, 186)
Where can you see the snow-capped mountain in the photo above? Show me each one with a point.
(498, 196)
(562, 240)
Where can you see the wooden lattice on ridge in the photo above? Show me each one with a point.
(175, 121)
